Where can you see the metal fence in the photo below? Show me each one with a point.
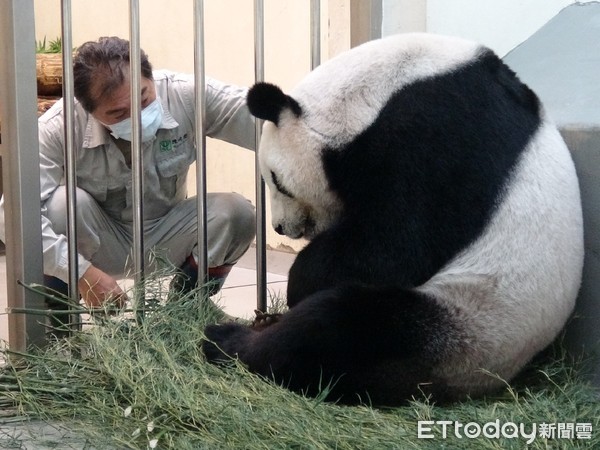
(19, 144)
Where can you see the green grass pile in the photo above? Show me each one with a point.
(122, 384)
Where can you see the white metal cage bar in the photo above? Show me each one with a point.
(261, 244)
(69, 133)
(315, 33)
(20, 165)
(69, 150)
(137, 163)
(200, 132)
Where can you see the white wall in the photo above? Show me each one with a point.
(403, 16)
(167, 37)
(499, 24)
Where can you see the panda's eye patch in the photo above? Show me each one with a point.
(279, 187)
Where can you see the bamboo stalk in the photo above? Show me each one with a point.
(53, 390)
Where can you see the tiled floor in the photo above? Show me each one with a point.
(238, 296)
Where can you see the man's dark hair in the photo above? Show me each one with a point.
(101, 67)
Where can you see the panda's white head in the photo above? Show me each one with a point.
(330, 107)
(302, 205)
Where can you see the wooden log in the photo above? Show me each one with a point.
(45, 103)
(49, 74)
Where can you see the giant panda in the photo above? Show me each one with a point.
(444, 223)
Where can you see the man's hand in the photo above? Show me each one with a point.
(96, 288)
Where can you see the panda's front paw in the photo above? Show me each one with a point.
(264, 320)
(224, 342)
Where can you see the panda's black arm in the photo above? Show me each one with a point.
(349, 253)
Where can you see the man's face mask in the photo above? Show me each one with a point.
(152, 116)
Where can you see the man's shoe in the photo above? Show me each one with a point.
(186, 278)
(56, 300)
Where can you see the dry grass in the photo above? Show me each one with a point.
(122, 384)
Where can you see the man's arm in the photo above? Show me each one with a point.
(228, 117)
(95, 286)
(51, 141)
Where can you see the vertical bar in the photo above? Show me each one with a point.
(20, 164)
(261, 245)
(136, 152)
(315, 33)
(69, 151)
(200, 131)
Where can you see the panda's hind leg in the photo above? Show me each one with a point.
(372, 344)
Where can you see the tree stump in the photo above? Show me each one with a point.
(49, 74)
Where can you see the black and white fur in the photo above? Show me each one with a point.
(445, 223)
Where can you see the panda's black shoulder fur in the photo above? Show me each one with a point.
(506, 77)
(430, 171)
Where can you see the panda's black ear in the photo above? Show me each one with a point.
(266, 101)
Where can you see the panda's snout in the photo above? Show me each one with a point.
(279, 229)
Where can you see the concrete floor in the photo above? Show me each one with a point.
(238, 296)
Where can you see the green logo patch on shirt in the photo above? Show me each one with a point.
(166, 146)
